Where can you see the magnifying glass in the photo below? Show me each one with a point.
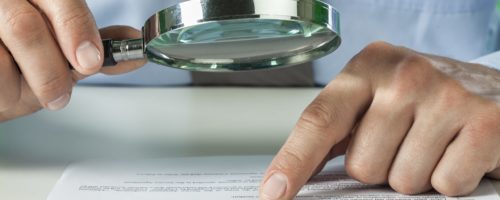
(233, 35)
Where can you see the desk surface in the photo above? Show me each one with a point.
(143, 122)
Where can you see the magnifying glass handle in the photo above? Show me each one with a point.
(109, 60)
(117, 51)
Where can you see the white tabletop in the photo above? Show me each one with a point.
(103, 122)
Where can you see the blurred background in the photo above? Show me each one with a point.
(119, 122)
(145, 122)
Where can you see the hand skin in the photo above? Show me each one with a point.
(37, 39)
(416, 122)
(14, 84)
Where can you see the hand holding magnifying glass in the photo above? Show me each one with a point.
(199, 35)
(38, 38)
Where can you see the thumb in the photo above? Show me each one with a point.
(117, 33)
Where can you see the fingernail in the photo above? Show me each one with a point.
(59, 103)
(88, 55)
(275, 186)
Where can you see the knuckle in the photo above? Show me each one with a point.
(363, 60)
(377, 47)
(451, 185)
(364, 173)
(77, 17)
(53, 86)
(412, 73)
(404, 184)
(25, 25)
(406, 179)
(317, 117)
(291, 160)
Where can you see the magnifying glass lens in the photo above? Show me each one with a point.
(242, 44)
(222, 35)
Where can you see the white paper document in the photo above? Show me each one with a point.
(214, 178)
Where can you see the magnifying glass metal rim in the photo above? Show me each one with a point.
(197, 12)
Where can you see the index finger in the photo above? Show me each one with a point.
(76, 32)
(26, 35)
(324, 123)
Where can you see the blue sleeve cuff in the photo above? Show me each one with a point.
(491, 60)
